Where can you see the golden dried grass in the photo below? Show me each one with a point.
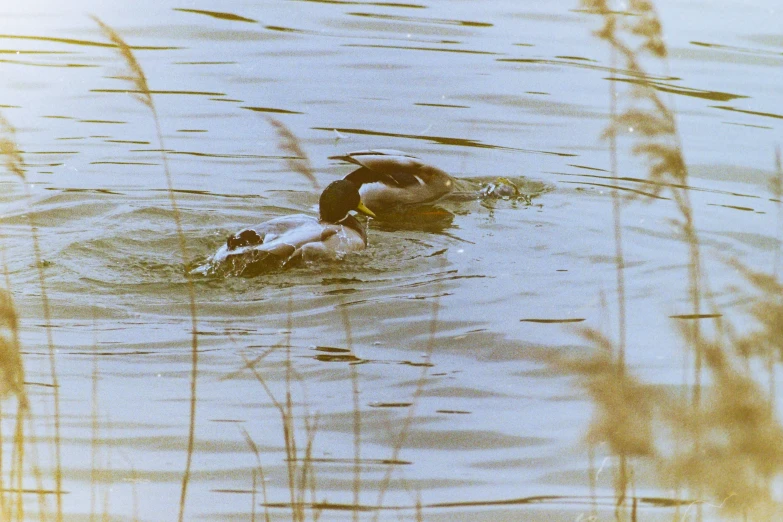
(724, 441)
(297, 160)
(134, 74)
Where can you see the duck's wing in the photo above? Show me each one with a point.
(391, 178)
(270, 244)
(280, 242)
(358, 156)
(390, 167)
(276, 236)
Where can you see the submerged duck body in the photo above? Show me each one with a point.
(388, 179)
(288, 239)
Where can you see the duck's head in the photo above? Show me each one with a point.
(338, 199)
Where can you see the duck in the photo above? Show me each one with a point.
(389, 179)
(284, 240)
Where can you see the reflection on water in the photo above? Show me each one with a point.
(428, 373)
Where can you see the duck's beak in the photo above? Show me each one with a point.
(364, 210)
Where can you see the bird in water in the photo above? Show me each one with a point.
(285, 240)
(389, 179)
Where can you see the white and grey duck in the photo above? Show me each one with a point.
(285, 240)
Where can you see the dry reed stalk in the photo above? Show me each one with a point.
(286, 418)
(767, 310)
(617, 221)
(135, 75)
(301, 477)
(109, 470)
(777, 194)
(736, 441)
(624, 415)
(19, 458)
(260, 470)
(356, 486)
(12, 325)
(13, 382)
(253, 498)
(94, 426)
(19, 443)
(773, 356)
(11, 367)
(289, 143)
(105, 513)
(652, 125)
(307, 472)
(621, 482)
(357, 416)
(4, 508)
(592, 474)
(134, 480)
(14, 163)
(408, 420)
(742, 450)
(741, 431)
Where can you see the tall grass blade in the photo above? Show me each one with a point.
(405, 427)
(14, 163)
(357, 416)
(726, 437)
(135, 75)
(260, 471)
(289, 143)
(11, 368)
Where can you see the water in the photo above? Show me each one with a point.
(480, 89)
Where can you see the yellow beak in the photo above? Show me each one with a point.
(364, 210)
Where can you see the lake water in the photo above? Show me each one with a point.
(437, 308)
